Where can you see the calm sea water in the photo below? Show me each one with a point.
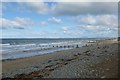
(20, 48)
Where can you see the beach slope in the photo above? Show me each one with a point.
(99, 60)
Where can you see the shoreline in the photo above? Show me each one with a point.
(52, 64)
(39, 51)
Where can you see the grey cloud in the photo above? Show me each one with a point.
(72, 8)
(85, 29)
(18, 23)
(103, 20)
(96, 23)
(81, 8)
(39, 7)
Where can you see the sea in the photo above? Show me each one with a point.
(20, 47)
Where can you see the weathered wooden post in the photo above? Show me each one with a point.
(64, 46)
(68, 46)
(72, 46)
(77, 46)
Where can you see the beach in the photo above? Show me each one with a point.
(98, 60)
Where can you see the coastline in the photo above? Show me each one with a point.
(20, 50)
(91, 61)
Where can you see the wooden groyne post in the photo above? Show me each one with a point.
(77, 46)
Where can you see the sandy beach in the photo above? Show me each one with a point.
(99, 60)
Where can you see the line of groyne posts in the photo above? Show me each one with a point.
(64, 46)
(59, 46)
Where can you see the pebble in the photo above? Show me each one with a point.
(93, 70)
(103, 77)
(107, 69)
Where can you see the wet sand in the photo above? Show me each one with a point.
(99, 60)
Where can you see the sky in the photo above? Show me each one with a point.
(59, 19)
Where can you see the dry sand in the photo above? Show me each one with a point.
(99, 60)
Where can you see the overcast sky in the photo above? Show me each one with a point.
(59, 19)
